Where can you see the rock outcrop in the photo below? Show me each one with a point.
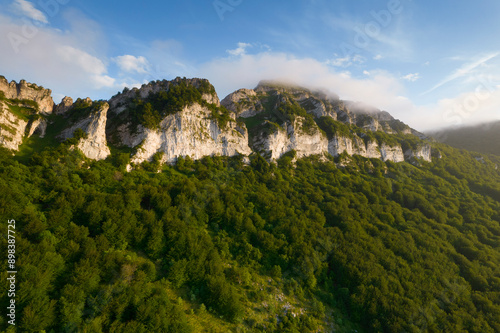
(278, 140)
(12, 128)
(94, 145)
(190, 132)
(422, 152)
(37, 126)
(28, 91)
(394, 154)
(243, 102)
(65, 105)
(353, 146)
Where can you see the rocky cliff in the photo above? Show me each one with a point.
(12, 128)
(200, 128)
(28, 91)
(93, 123)
(273, 141)
(270, 110)
(190, 132)
(184, 117)
(424, 152)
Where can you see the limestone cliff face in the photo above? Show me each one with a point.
(423, 152)
(12, 128)
(353, 146)
(29, 91)
(38, 126)
(190, 132)
(394, 154)
(339, 144)
(94, 146)
(278, 140)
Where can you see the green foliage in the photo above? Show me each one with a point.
(24, 109)
(214, 245)
(78, 134)
(332, 127)
(291, 109)
(220, 114)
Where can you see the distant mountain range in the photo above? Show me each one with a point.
(484, 138)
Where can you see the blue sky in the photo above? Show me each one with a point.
(430, 64)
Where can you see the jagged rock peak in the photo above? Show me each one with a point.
(64, 106)
(28, 91)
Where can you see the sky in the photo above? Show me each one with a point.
(430, 64)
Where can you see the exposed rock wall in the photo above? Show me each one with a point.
(38, 126)
(30, 91)
(423, 152)
(190, 132)
(12, 128)
(94, 125)
(291, 137)
(339, 144)
(394, 154)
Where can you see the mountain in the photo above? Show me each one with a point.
(278, 209)
(184, 117)
(484, 138)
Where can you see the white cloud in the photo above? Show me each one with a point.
(412, 77)
(377, 57)
(26, 8)
(81, 59)
(240, 50)
(229, 74)
(59, 60)
(346, 61)
(366, 73)
(131, 64)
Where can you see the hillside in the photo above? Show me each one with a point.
(484, 138)
(150, 213)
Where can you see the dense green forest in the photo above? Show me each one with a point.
(216, 245)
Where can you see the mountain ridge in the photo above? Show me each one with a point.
(483, 138)
(184, 117)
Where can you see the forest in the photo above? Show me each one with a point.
(217, 245)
